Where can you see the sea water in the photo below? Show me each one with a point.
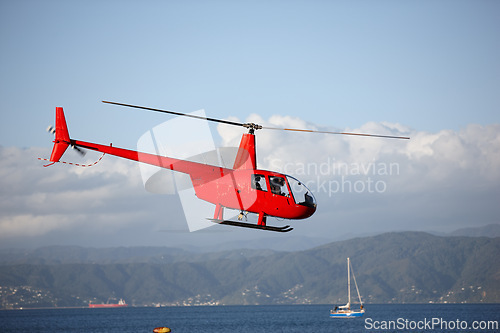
(279, 318)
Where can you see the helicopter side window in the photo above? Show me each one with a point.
(278, 186)
(259, 182)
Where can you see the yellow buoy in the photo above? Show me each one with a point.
(162, 330)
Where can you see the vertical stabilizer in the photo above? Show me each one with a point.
(62, 140)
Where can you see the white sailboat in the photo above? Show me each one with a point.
(345, 311)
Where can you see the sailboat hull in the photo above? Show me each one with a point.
(351, 314)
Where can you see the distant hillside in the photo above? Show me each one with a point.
(490, 230)
(394, 267)
(51, 255)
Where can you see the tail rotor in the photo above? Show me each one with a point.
(82, 152)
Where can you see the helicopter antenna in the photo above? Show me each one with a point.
(251, 126)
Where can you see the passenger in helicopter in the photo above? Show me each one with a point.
(278, 186)
(259, 182)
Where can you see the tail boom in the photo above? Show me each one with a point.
(194, 169)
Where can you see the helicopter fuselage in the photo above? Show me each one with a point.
(263, 192)
(257, 191)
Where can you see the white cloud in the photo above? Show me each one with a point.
(440, 181)
(31, 225)
(103, 199)
(435, 180)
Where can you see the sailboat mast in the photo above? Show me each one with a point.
(348, 283)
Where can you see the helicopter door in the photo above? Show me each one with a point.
(259, 183)
(278, 186)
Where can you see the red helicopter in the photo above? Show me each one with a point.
(242, 187)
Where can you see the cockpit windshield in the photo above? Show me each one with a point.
(301, 194)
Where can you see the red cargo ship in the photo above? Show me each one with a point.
(121, 303)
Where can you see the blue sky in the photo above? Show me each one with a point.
(429, 69)
(429, 65)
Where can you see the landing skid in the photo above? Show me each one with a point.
(285, 228)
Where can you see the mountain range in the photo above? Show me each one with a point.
(402, 267)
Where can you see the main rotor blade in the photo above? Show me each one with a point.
(340, 133)
(253, 126)
(178, 114)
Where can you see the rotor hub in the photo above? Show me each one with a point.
(252, 127)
